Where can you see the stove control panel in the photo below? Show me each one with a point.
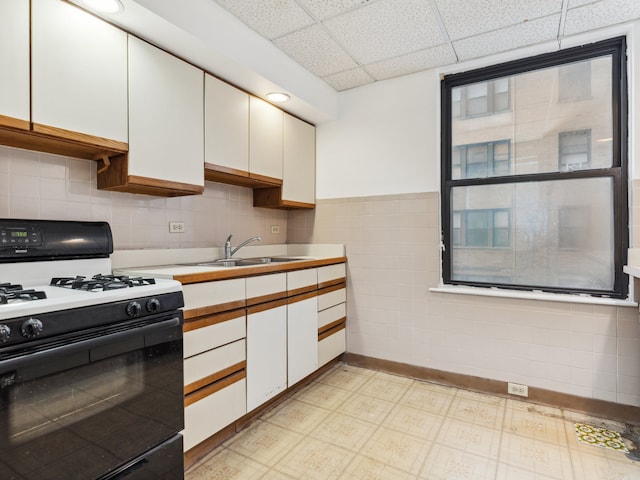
(20, 237)
(31, 328)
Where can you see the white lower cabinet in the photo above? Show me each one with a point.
(266, 355)
(302, 339)
(214, 412)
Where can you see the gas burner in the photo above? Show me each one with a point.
(100, 282)
(10, 291)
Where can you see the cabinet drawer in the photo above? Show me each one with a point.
(206, 338)
(331, 274)
(212, 362)
(212, 297)
(300, 281)
(265, 288)
(214, 412)
(331, 346)
(330, 299)
(331, 314)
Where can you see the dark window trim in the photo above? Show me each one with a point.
(615, 47)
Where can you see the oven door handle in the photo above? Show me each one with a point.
(84, 345)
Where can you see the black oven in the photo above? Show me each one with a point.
(106, 402)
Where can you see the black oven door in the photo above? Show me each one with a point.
(92, 405)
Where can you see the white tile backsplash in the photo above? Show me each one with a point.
(39, 185)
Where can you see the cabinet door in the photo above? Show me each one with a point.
(302, 339)
(299, 161)
(265, 139)
(166, 117)
(14, 58)
(79, 72)
(226, 121)
(266, 355)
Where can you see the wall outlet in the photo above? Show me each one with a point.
(517, 389)
(275, 229)
(176, 227)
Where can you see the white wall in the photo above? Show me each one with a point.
(384, 141)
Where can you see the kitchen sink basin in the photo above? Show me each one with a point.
(246, 262)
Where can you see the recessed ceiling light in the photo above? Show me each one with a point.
(104, 6)
(277, 97)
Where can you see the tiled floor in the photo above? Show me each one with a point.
(359, 424)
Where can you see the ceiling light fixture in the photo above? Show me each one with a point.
(104, 6)
(277, 97)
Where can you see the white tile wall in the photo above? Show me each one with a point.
(392, 245)
(38, 185)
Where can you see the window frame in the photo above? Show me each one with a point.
(616, 48)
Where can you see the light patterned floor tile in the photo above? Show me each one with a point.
(380, 387)
(227, 465)
(264, 442)
(414, 422)
(535, 421)
(276, 475)
(297, 416)
(467, 437)
(345, 379)
(597, 467)
(315, 460)
(428, 397)
(397, 449)
(344, 431)
(366, 408)
(542, 458)
(446, 463)
(480, 397)
(476, 410)
(323, 395)
(364, 468)
(510, 472)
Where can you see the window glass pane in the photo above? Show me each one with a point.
(548, 243)
(536, 118)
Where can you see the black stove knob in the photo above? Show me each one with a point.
(133, 309)
(5, 333)
(31, 328)
(153, 305)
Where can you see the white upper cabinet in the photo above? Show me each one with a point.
(79, 72)
(166, 120)
(299, 161)
(14, 58)
(226, 125)
(265, 139)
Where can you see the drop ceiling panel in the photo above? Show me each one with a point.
(270, 19)
(323, 9)
(413, 62)
(348, 79)
(600, 14)
(386, 29)
(466, 18)
(515, 36)
(316, 50)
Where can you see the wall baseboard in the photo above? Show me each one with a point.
(591, 406)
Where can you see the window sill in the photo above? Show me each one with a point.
(543, 296)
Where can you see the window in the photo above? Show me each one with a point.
(574, 150)
(528, 203)
(482, 98)
(485, 228)
(574, 81)
(481, 160)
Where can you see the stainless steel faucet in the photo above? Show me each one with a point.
(228, 251)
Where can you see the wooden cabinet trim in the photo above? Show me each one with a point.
(330, 326)
(214, 377)
(105, 144)
(271, 197)
(213, 309)
(214, 387)
(328, 333)
(266, 298)
(301, 290)
(332, 287)
(194, 323)
(301, 297)
(11, 122)
(266, 306)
